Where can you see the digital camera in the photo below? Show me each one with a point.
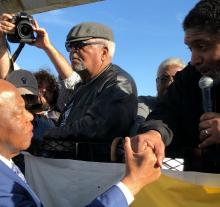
(23, 29)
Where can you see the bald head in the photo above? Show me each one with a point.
(7, 92)
(166, 72)
(5, 85)
(15, 122)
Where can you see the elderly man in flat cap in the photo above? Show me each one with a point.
(103, 104)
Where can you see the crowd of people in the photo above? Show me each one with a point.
(79, 114)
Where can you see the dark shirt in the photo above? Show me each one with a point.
(180, 110)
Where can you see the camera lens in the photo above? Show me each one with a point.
(24, 29)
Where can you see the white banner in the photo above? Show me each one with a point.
(68, 183)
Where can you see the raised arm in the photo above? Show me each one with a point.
(5, 27)
(62, 66)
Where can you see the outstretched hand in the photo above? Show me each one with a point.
(152, 139)
(140, 167)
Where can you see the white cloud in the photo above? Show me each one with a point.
(55, 17)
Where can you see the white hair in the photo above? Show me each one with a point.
(109, 44)
(171, 61)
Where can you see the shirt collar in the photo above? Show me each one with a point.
(6, 161)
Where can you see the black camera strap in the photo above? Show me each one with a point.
(18, 51)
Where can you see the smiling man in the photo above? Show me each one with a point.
(196, 134)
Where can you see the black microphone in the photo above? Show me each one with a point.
(205, 84)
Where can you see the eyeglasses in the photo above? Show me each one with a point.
(165, 78)
(79, 45)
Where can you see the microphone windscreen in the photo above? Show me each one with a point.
(205, 82)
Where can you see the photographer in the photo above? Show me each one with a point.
(8, 26)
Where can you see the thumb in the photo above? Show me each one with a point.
(128, 149)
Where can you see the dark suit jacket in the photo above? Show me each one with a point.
(14, 192)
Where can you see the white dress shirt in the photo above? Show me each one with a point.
(127, 193)
(13, 167)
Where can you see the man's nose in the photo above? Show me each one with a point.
(29, 116)
(196, 58)
(73, 53)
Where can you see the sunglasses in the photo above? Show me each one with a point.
(165, 78)
(79, 45)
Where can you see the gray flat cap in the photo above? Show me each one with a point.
(88, 30)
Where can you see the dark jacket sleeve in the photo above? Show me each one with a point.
(111, 114)
(164, 118)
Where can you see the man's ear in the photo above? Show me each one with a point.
(105, 52)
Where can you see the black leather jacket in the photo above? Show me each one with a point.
(102, 109)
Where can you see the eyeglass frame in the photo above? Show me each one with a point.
(77, 45)
(165, 78)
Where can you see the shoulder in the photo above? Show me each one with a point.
(148, 100)
(187, 75)
(123, 79)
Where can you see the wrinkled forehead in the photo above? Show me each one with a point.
(170, 70)
(198, 35)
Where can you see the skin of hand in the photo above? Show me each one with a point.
(42, 39)
(5, 25)
(43, 42)
(140, 168)
(152, 139)
(209, 121)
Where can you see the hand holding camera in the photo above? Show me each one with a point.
(5, 25)
(23, 31)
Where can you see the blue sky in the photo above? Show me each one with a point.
(146, 33)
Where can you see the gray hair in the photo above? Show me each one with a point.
(171, 61)
(109, 44)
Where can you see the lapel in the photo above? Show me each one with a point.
(10, 174)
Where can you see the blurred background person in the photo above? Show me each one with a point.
(165, 77)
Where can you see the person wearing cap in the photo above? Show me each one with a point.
(103, 104)
(105, 91)
(27, 85)
(68, 77)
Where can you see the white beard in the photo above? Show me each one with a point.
(79, 67)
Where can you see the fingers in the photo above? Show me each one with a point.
(128, 149)
(207, 142)
(208, 115)
(7, 27)
(130, 154)
(205, 124)
(6, 17)
(159, 152)
(205, 133)
(35, 23)
(139, 143)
